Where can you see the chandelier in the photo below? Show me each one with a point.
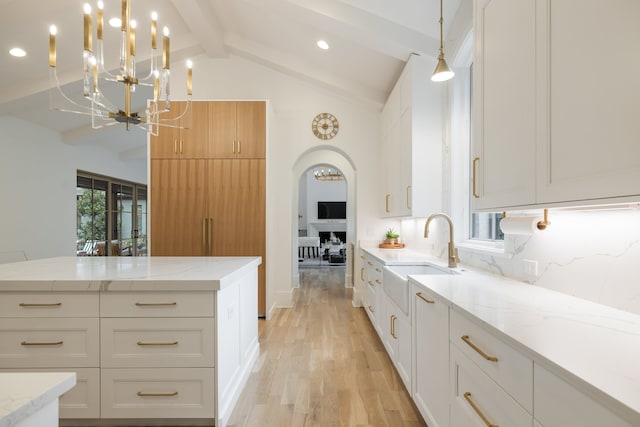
(97, 81)
(328, 175)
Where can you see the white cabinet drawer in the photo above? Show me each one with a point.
(157, 342)
(49, 304)
(558, 404)
(83, 400)
(157, 304)
(55, 343)
(157, 393)
(475, 396)
(370, 304)
(506, 366)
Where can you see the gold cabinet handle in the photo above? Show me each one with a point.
(408, 197)
(466, 339)
(370, 283)
(156, 304)
(393, 326)
(204, 236)
(239, 146)
(175, 146)
(425, 299)
(386, 203)
(477, 410)
(378, 282)
(361, 257)
(181, 146)
(369, 262)
(233, 146)
(378, 270)
(211, 236)
(362, 274)
(371, 309)
(475, 172)
(159, 343)
(27, 343)
(143, 394)
(53, 304)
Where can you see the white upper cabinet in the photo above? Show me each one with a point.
(504, 103)
(555, 103)
(411, 153)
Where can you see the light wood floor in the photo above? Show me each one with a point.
(322, 364)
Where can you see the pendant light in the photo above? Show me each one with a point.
(442, 72)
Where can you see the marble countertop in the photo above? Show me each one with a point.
(594, 347)
(23, 394)
(124, 273)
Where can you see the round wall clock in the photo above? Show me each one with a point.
(325, 126)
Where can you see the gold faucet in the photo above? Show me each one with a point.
(453, 251)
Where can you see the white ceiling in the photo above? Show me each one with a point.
(370, 41)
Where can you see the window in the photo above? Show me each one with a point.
(110, 207)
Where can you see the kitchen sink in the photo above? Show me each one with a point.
(396, 283)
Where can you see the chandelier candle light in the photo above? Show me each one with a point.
(95, 103)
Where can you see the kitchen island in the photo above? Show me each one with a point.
(167, 339)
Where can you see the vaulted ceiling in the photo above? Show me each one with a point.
(370, 41)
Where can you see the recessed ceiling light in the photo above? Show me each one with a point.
(323, 44)
(17, 52)
(115, 22)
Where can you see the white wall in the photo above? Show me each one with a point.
(38, 187)
(293, 105)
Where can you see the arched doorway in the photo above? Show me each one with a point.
(339, 160)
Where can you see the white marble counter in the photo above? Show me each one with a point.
(595, 347)
(24, 394)
(124, 273)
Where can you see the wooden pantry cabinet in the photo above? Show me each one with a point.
(214, 205)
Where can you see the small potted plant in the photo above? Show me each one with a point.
(391, 237)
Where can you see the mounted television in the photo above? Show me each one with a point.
(332, 210)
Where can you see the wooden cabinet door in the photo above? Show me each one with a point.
(251, 129)
(237, 209)
(178, 207)
(184, 134)
(194, 138)
(166, 144)
(222, 130)
(504, 106)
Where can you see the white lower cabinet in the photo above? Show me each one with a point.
(373, 271)
(431, 357)
(397, 339)
(509, 368)
(558, 404)
(478, 401)
(157, 393)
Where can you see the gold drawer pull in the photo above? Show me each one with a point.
(25, 343)
(371, 309)
(425, 299)
(143, 343)
(466, 339)
(467, 397)
(362, 274)
(370, 283)
(143, 394)
(53, 304)
(369, 262)
(378, 270)
(156, 304)
(378, 282)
